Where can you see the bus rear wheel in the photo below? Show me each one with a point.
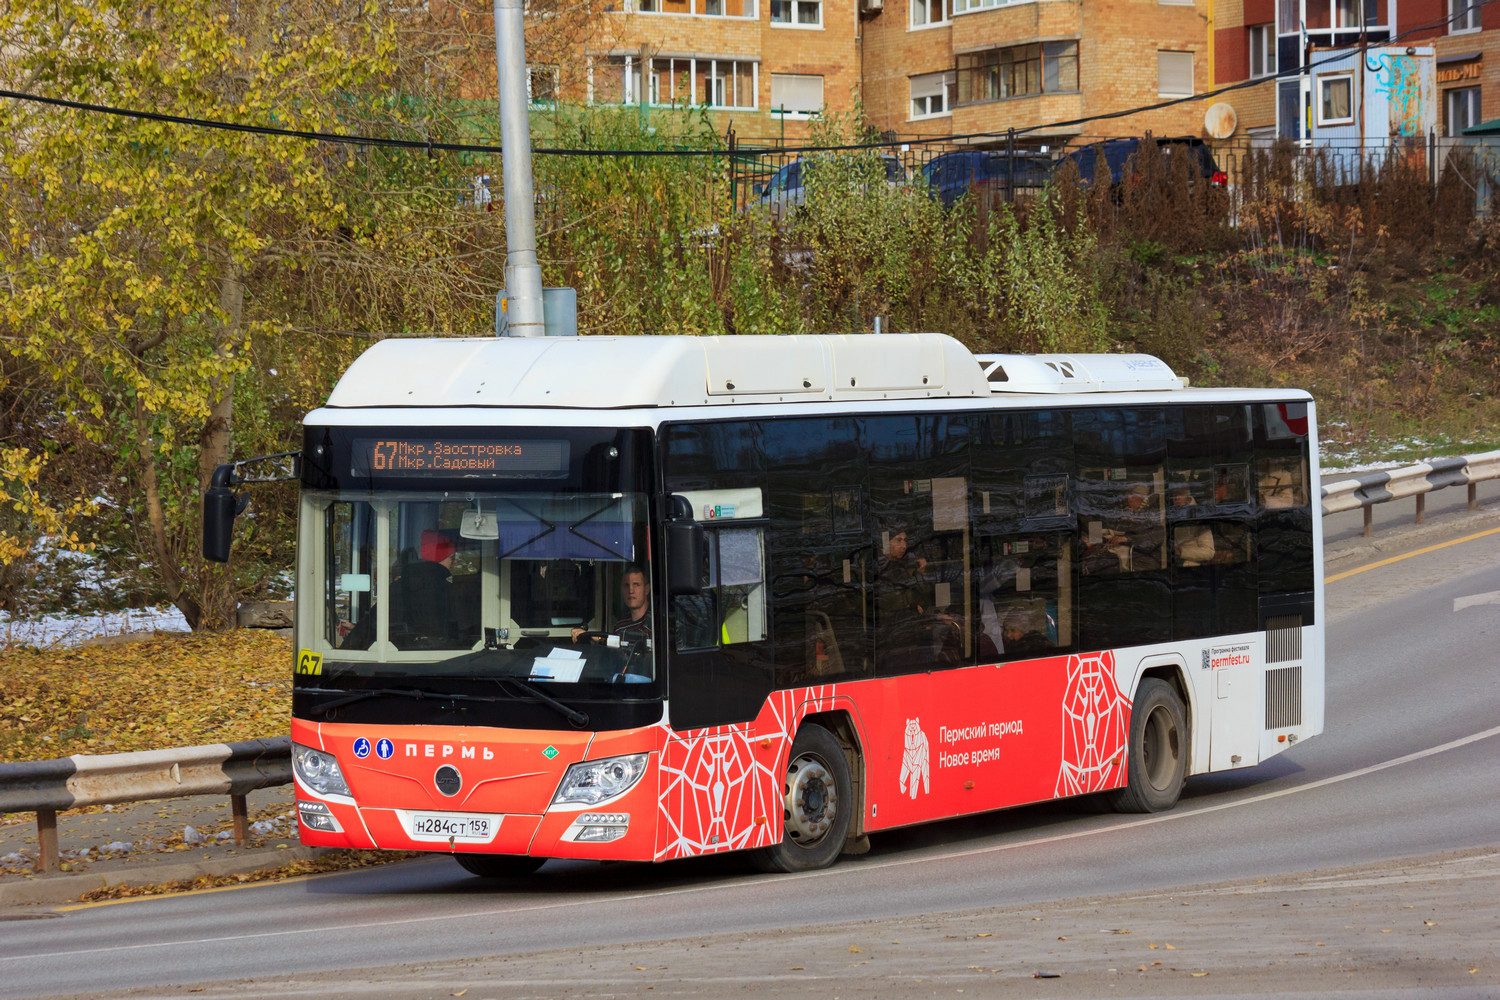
(818, 802)
(1157, 763)
(499, 865)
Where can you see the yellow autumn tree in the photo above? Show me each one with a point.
(134, 250)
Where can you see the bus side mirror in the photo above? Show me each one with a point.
(686, 549)
(220, 505)
(758, 189)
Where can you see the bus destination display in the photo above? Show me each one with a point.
(396, 457)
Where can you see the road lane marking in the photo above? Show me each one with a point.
(1459, 603)
(1395, 559)
(290, 879)
(836, 871)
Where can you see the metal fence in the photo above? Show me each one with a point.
(47, 787)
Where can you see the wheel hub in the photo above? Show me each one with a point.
(812, 800)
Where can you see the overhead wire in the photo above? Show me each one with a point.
(432, 146)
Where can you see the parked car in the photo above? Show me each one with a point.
(985, 172)
(787, 190)
(1116, 154)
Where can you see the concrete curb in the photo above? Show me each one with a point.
(1404, 538)
(66, 887)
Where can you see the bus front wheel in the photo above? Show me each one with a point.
(499, 865)
(818, 802)
(1157, 762)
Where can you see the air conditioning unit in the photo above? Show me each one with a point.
(871, 6)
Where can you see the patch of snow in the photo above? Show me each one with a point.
(58, 630)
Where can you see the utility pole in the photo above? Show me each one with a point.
(523, 275)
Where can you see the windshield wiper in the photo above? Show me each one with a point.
(416, 694)
(578, 719)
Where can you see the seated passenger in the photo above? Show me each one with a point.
(422, 590)
(1193, 544)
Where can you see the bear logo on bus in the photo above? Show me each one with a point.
(914, 759)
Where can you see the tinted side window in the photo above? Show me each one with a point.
(818, 548)
(1023, 562)
(919, 469)
(1283, 496)
(1210, 523)
(1124, 584)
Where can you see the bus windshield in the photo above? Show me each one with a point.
(541, 586)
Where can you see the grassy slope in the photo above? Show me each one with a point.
(168, 691)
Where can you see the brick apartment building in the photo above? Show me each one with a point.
(918, 67)
(938, 68)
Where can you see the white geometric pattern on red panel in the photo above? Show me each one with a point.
(1096, 726)
(720, 789)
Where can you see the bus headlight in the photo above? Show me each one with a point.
(318, 770)
(594, 781)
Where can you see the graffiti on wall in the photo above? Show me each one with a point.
(1397, 77)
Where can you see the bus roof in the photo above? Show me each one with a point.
(629, 372)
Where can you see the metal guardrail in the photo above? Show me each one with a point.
(47, 787)
(1414, 481)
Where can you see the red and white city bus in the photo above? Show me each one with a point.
(645, 598)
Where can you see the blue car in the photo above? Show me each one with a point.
(1116, 153)
(985, 172)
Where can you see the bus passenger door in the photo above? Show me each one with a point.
(720, 668)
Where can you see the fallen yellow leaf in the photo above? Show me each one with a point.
(459, 993)
(1199, 975)
(1169, 947)
(855, 948)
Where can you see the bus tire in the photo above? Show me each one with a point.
(1157, 763)
(499, 865)
(818, 804)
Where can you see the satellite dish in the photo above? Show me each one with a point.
(1221, 121)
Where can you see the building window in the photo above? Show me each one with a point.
(960, 6)
(796, 95)
(925, 12)
(929, 95)
(1174, 74)
(1464, 15)
(718, 83)
(1262, 50)
(670, 82)
(803, 13)
(1059, 67)
(710, 8)
(1336, 99)
(1018, 71)
(725, 83)
(541, 86)
(1460, 110)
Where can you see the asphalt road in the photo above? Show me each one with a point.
(1405, 768)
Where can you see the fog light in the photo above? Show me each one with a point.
(599, 828)
(316, 816)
